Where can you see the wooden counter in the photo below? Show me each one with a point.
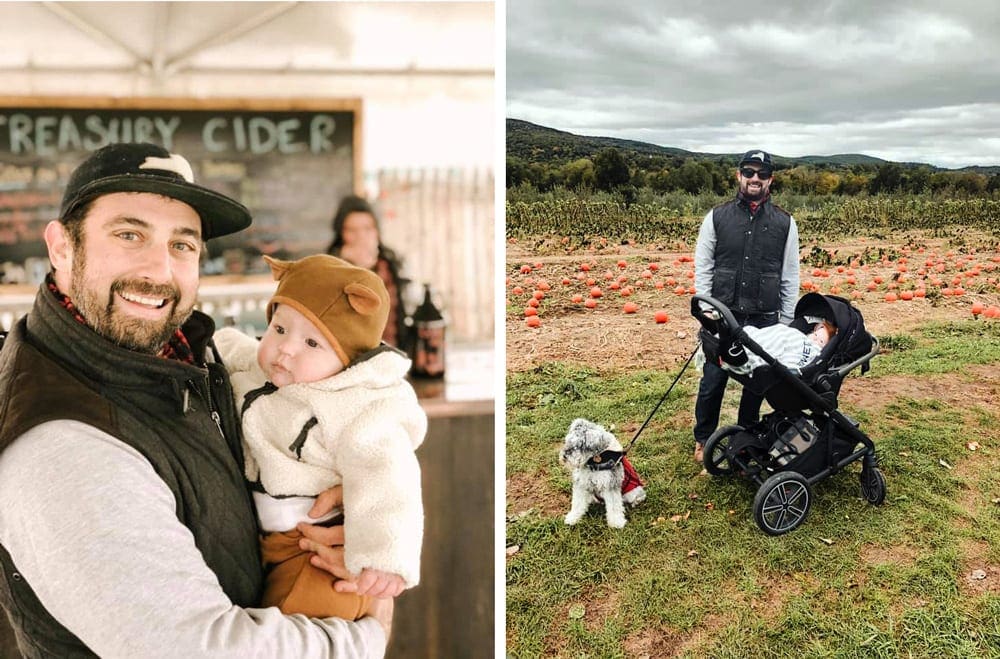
(467, 387)
(451, 613)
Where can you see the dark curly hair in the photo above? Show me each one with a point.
(355, 204)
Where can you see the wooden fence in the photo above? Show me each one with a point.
(441, 221)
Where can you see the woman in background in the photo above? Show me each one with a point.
(357, 239)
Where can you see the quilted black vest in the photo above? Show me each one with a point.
(180, 417)
(749, 253)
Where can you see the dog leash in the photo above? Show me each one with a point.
(663, 398)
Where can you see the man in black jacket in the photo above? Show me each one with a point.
(747, 257)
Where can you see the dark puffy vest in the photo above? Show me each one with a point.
(52, 367)
(749, 253)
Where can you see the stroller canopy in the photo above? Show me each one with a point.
(852, 340)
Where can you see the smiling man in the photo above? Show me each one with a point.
(747, 257)
(125, 526)
(144, 285)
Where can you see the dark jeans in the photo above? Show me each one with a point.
(713, 388)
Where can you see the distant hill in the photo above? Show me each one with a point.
(990, 170)
(841, 159)
(534, 143)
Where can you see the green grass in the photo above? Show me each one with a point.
(853, 581)
(940, 347)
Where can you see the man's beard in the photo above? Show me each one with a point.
(754, 196)
(138, 334)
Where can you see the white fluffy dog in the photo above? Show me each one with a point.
(585, 442)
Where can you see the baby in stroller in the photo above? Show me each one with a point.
(799, 369)
(790, 346)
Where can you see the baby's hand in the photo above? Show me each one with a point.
(376, 583)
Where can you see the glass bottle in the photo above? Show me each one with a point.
(429, 338)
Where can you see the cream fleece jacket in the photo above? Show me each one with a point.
(368, 425)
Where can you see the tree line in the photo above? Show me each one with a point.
(612, 171)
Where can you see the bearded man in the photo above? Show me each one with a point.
(126, 528)
(747, 257)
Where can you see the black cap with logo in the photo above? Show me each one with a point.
(762, 158)
(151, 168)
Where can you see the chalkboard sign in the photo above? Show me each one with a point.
(290, 162)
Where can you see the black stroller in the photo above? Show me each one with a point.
(806, 438)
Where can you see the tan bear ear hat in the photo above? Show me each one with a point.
(350, 305)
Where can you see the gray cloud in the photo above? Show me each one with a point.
(916, 81)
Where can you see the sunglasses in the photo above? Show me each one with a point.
(762, 174)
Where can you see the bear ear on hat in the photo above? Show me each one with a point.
(278, 267)
(362, 299)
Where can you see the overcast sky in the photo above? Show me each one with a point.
(905, 81)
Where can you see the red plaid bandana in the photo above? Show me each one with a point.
(632, 479)
(755, 205)
(176, 348)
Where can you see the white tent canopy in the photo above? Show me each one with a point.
(423, 70)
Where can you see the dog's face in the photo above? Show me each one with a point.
(584, 440)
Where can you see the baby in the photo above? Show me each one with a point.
(324, 402)
(786, 344)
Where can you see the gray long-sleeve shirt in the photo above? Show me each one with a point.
(704, 265)
(93, 529)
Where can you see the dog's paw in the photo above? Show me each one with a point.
(616, 522)
(572, 518)
(635, 496)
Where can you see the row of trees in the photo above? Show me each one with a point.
(609, 170)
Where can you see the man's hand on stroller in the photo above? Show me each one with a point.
(734, 358)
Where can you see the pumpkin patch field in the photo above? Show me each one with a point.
(600, 306)
(600, 327)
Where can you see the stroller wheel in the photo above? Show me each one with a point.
(782, 503)
(716, 451)
(873, 486)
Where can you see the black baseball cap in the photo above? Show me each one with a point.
(757, 156)
(151, 168)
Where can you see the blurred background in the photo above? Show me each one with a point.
(290, 107)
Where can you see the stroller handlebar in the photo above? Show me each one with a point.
(723, 323)
(712, 324)
(842, 371)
